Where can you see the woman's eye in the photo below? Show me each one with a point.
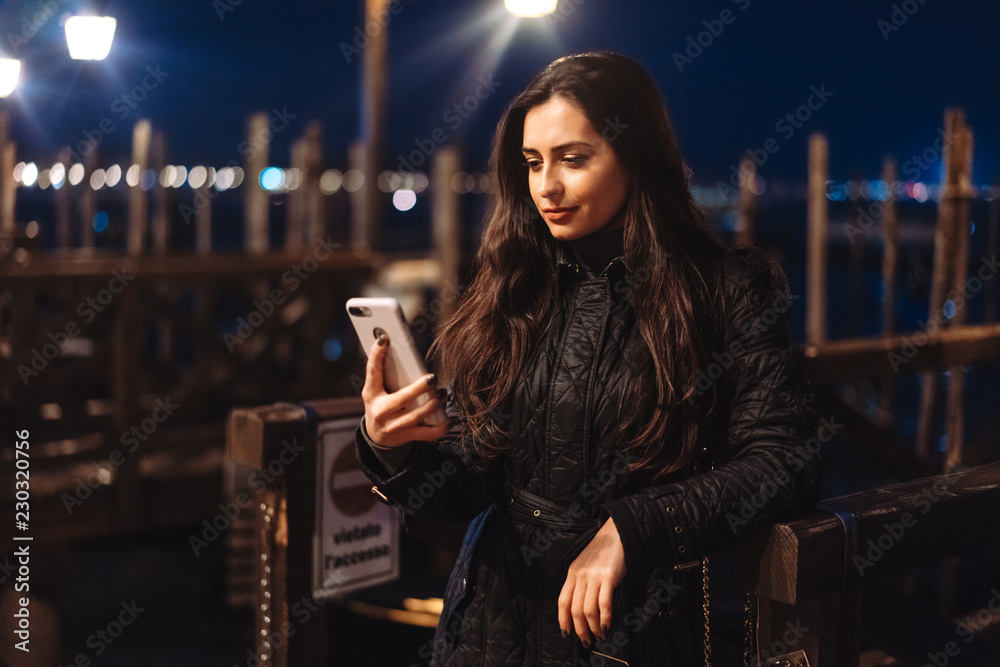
(532, 164)
(575, 159)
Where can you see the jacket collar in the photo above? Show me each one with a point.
(566, 264)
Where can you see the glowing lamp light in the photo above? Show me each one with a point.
(404, 200)
(272, 178)
(89, 37)
(530, 8)
(10, 70)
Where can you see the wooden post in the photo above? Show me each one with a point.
(138, 199)
(8, 187)
(64, 231)
(161, 196)
(313, 198)
(286, 511)
(858, 241)
(446, 226)
(361, 203)
(368, 230)
(255, 201)
(940, 278)
(962, 194)
(818, 236)
(747, 212)
(88, 199)
(890, 255)
(203, 220)
(992, 247)
(294, 218)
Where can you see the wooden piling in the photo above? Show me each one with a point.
(255, 200)
(160, 222)
(295, 216)
(446, 226)
(992, 247)
(88, 200)
(8, 186)
(890, 258)
(138, 198)
(313, 198)
(962, 195)
(64, 230)
(944, 234)
(817, 242)
(747, 207)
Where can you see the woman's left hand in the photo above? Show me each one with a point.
(585, 599)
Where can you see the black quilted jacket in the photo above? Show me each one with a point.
(536, 509)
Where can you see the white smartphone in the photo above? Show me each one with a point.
(403, 363)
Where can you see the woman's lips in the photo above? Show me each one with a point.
(557, 214)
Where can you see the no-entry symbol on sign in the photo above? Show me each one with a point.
(357, 537)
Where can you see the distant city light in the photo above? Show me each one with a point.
(58, 175)
(101, 222)
(76, 174)
(132, 175)
(10, 70)
(113, 175)
(272, 178)
(353, 180)
(29, 174)
(404, 200)
(197, 177)
(89, 37)
(330, 181)
(530, 8)
(97, 179)
(224, 179)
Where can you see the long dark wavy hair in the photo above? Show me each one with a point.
(504, 312)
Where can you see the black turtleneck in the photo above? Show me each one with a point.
(595, 251)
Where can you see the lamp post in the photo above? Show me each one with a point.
(530, 8)
(89, 37)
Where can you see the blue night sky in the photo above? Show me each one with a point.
(219, 61)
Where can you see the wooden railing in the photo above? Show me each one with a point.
(823, 583)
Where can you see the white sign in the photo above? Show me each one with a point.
(356, 544)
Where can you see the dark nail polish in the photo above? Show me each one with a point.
(565, 633)
(382, 339)
(433, 379)
(586, 644)
(605, 629)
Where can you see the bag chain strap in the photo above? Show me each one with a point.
(704, 604)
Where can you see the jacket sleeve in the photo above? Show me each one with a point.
(772, 471)
(435, 480)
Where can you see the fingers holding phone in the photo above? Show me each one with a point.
(393, 419)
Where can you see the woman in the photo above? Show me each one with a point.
(624, 397)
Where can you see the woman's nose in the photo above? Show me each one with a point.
(549, 185)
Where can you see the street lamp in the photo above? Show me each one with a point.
(10, 69)
(530, 8)
(89, 37)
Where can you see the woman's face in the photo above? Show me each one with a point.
(574, 177)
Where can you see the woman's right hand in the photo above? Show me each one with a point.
(387, 421)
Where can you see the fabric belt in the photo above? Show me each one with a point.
(529, 508)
